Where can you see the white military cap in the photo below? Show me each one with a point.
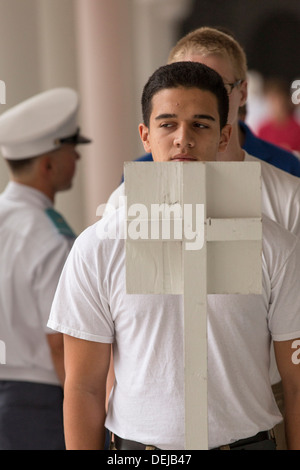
(40, 124)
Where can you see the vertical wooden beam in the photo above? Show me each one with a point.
(195, 318)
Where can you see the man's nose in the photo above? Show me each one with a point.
(77, 154)
(183, 138)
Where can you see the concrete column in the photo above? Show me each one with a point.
(105, 78)
(56, 46)
(38, 52)
(57, 64)
(18, 58)
(155, 33)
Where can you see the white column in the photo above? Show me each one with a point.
(57, 65)
(106, 80)
(18, 58)
(155, 23)
(38, 52)
(56, 47)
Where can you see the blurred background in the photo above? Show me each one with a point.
(107, 49)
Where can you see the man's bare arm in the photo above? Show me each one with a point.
(56, 345)
(86, 365)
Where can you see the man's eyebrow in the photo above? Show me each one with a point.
(204, 116)
(196, 116)
(165, 116)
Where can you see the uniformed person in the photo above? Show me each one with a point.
(38, 140)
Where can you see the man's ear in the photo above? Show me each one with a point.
(144, 135)
(225, 137)
(45, 164)
(244, 92)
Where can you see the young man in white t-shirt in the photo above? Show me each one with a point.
(280, 190)
(185, 108)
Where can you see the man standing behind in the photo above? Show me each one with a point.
(280, 190)
(38, 140)
(185, 108)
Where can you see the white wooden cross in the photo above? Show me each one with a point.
(194, 229)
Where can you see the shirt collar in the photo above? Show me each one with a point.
(23, 193)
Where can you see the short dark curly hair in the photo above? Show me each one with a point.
(188, 75)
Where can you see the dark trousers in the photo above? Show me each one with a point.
(31, 416)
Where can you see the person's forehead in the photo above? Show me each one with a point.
(221, 63)
(183, 96)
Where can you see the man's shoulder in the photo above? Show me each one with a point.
(277, 239)
(270, 153)
(115, 200)
(269, 171)
(108, 231)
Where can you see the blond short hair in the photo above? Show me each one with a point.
(211, 41)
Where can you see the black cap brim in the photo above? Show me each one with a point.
(75, 139)
(82, 140)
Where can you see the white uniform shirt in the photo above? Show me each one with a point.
(147, 402)
(31, 260)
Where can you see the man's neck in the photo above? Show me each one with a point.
(234, 151)
(35, 185)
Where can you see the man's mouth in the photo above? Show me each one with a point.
(183, 158)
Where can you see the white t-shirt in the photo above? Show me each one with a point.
(32, 257)
(147, 402)
(280, 202)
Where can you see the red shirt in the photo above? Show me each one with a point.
(286, 134)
